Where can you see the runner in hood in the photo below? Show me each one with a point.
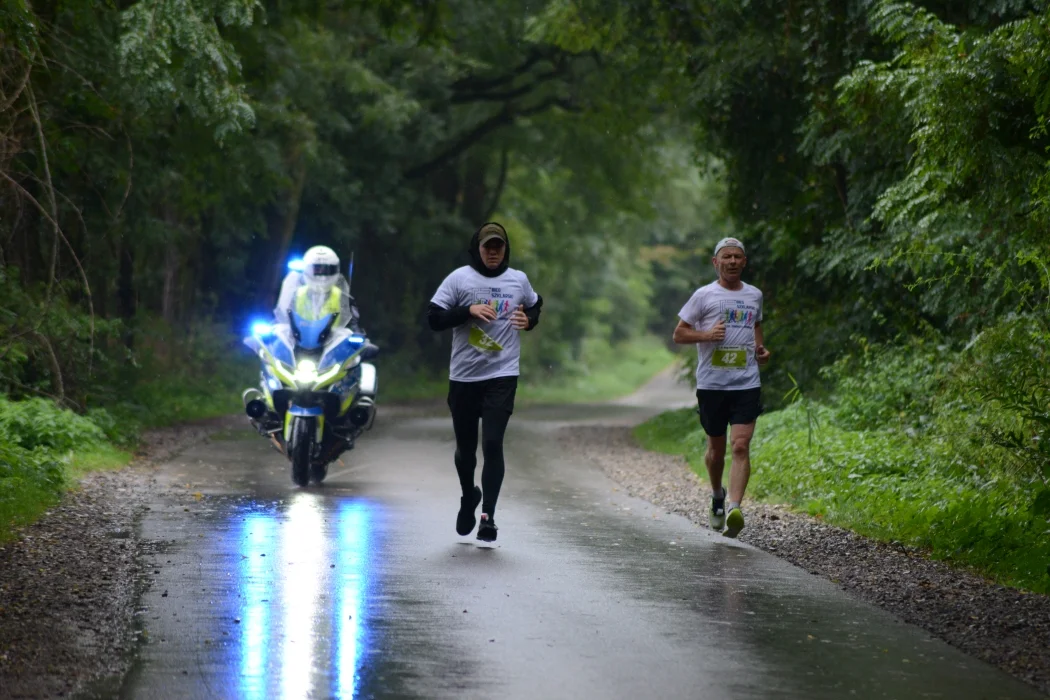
(487, 304)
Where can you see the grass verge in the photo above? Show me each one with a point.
(605, 372)
(885, 485)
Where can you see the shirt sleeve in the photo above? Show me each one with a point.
(448, 293)
(693, 310)
(761, 306)
(529, 296)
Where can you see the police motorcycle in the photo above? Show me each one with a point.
(318, 388)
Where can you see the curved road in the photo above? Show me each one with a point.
(361, 588)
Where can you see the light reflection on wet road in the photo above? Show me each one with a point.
(361, 588)
(300, 542)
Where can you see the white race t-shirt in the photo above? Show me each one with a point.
(730, 363)
(485, 350)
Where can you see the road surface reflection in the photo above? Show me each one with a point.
(305, 582)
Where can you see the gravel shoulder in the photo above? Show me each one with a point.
(1002, 626)
(69, 583)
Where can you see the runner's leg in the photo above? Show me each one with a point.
(711, 406)
(745, 409)
(465, 404)
(497, 407)
(740, 471)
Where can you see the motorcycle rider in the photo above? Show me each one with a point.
(318, 289)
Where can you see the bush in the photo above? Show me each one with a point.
(30, 480)
(38, 424)
(889, 385)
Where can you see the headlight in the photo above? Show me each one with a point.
(305, 372)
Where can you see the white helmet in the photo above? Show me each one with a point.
(320, 267)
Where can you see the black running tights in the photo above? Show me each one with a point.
(491, 402)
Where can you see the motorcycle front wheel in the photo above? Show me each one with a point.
(304, 430)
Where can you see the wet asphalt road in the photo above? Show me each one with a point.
(361, 588)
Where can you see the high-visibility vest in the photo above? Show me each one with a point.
(304, 306)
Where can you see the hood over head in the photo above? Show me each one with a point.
(488, 231)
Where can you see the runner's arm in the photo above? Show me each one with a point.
(761, 352)
(533, 313)
(685, 334)
(441, 318)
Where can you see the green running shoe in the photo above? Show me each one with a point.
(734, 523)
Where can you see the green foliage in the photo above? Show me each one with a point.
(169, 156)
(895, 385)
(887, 485)
(34, 437)
(174, 54)
(29, 482)
(178, 378)
(1005, 368)
(43, 449)
(38, 424)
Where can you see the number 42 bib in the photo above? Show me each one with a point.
(727, 357)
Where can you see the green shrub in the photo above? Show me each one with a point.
(38, 424)
(30, 480)
(888, 385)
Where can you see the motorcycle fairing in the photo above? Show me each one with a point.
(311, 334)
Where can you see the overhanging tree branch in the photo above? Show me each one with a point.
(507, 94)
(474, 83)
(507, 115)
(498, 192)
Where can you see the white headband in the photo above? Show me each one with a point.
(729, 243)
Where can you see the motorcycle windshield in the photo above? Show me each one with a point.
(311, 333)
(342, 351)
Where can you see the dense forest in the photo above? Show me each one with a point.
(886, 163)
(162, 161)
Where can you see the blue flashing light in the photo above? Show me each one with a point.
(296, 265)
(261, 329)
(357, 339)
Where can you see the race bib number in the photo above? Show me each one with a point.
(727, 357)
(483, 341)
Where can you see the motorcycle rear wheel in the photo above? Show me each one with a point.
(301, 450)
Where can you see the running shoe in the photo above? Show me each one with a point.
(487, 529)
(465, 520)
(734, 523)
(717, 516)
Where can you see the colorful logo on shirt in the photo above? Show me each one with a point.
(737, 314)
(500, 301)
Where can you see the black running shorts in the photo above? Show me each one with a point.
(719, 408)
(474, 398)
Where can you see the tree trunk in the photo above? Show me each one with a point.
(474, 195)
(171, 276)
(289, 218)
(126, 287)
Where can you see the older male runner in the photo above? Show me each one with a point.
(724, 320)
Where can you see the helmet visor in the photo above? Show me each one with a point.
(320, 270)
